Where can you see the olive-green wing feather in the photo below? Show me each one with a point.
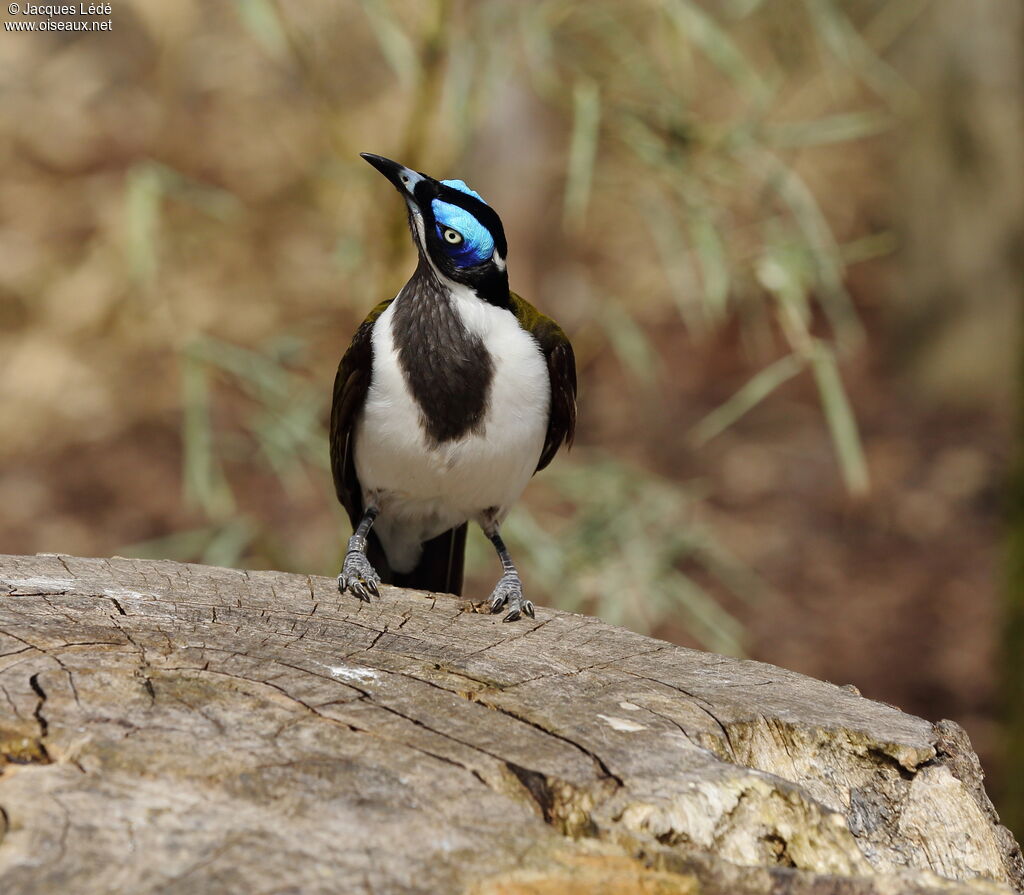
(350, 386)
(562, 370)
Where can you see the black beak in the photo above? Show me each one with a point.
(402, 178)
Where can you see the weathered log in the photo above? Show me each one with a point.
(173, 728)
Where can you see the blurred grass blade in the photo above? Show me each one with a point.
(892, 21)
(218, 202)
(748, 397)
(260, 376)
(696, 26)
(463, 79)
(841, 422)
(227, 546)
(586, 117)
(744, 582)
(828, 262)
(710, 623)
(623, 45)
(842, 128)
(261, 18)
(629, 342)
(287, 425)
(182, 546)
(780, 272)
(866, 248)
(641, 139)
(204, 481)
(675, 258)
(783, 272)
(845, 42)
(144, 190)
(740, 9)
(714, 265)
(394, 43)
(547, 556)
(539, 48)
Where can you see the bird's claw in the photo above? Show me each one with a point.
(509, 591)
(525, 607)
(359, 577)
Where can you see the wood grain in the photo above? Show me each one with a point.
(176, 728)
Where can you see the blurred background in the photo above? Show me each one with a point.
(783, 235)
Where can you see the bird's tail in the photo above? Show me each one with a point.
(439, 569)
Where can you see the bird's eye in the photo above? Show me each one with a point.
(405, 178)
(451, 236)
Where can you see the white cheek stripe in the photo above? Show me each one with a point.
(421, 231)
(499, 262)
(412, 178)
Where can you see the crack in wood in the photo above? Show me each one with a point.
(37, 713)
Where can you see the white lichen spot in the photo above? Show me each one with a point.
(629, 706)
(49, 584)
(621, 724)
(125, 594)
(351, 673)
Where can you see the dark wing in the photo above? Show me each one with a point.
(561, 369)
(350, 387)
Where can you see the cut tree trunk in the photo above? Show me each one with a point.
(173, 728)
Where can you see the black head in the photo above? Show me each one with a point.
(454, 229)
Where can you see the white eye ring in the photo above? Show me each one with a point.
(452, 236)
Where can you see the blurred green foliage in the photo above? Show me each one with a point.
(684, 124)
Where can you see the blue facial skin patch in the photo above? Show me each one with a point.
(477, 244)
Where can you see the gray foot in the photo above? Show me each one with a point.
(358, 576)
(509, 591)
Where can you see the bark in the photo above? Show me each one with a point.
(172, 728)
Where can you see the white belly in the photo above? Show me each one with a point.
(424, 489)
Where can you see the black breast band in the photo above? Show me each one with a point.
(448, 369)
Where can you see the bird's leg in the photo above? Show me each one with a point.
(357, 575)
(509, 589)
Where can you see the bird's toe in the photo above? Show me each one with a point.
(359, 577)
(509, 593)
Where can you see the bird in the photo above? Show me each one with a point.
(449, 398)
